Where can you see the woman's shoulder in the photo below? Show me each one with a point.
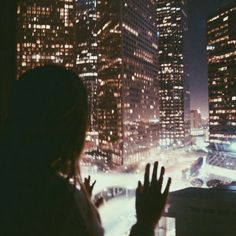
(71, 201)
(63, 213)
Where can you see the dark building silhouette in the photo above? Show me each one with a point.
(173, 79)
(221, 30)
(45, 33)
(86, 60)
(201, 211)
(7, 56)
(127, 79)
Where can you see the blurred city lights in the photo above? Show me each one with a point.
(233, 146)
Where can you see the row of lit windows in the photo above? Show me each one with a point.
(88, 61)
(222, 29)
(144, 55)
(215, 123)
(88, 74)
(222, 15)
(130, 29)
(38, 9)
(166, 8)
(225, 38)
(37, 26)
(216, 100)
(215, 59)
(57, 60)
(223, 111)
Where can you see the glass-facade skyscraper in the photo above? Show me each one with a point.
(127, 79)
(86, 58)
(221, 29)
(174, 92)
(45, 33)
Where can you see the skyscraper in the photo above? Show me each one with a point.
(45, 33)
(196, 119)
(222, 78)
(127, 79)
(173, 80)
(86, 60)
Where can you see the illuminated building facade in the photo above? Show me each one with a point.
(86, 60)
(222, 78)
(174, 95)
(127, 79)
(45, 33)
(196, 119)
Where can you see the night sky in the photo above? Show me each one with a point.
(198, 11)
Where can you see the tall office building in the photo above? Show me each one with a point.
(173, 80)
(222, 78)
(45, 33)
(86, 60)
(127, 79)
(196, 119)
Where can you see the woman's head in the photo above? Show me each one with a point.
(49, 113)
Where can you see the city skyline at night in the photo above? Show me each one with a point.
(134, 61)
(160, 77)
(196, 42)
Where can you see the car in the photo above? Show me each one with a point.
(197, 182)
(213, 183)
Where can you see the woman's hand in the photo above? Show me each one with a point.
(89, 189)
(150, 201)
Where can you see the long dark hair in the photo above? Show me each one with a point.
(48, 119)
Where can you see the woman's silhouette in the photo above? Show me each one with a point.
(40, 151)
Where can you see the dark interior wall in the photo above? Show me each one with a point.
(7, 54)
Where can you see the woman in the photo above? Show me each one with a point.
(43, 140)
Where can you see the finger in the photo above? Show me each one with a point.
(154, 173)
(93, 184)
(138, 192)
(139, 189)
(146, 177)
(85, 180)
(89, 179)
(140, 186)
(160, 180)
(99, 202)
(162, 172)
(166, 191)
